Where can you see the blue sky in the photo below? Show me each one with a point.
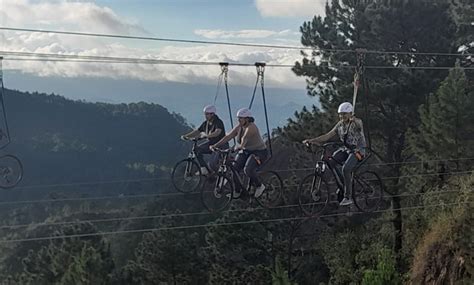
(178, 18)
(256, 21)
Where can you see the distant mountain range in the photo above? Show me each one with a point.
(182, 98)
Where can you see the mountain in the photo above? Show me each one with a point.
(185, 99)
(65, 141)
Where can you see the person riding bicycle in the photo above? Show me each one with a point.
(211, 129)
(350, 131)
(252, 149)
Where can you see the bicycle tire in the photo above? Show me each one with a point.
(367, 191)
(319, 198)
(191, 167)
(273, 193)
(217, 192)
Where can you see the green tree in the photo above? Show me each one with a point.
(385, 273)
(70, 260)
(406, 27)
(280, 276)
(171, 257)
(447, 121)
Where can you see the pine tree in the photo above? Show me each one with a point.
(447, 121)
(405, 27)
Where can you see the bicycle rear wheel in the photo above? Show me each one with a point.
(186, 176)
(313, 195)
(367, 190)
(273, 193)
(217, 192)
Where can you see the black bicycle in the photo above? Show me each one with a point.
(186, 175)
(11, 171)
(218, 190)
(314, 194)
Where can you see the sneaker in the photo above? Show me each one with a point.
(259, 190)
(346, 202)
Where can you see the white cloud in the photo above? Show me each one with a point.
(243, 34)
(81, 16)
(290, 8)
(84, 16)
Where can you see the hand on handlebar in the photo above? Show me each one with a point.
(310, 142)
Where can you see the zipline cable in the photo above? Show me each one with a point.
(227, 43)
(173, 215)
(213, 225)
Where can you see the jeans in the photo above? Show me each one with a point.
(250, 162)
(349, 161)
(203, 149)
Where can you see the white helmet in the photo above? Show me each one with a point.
(345, 107)
(244, 113)
(210, 109)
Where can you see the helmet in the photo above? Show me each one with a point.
(345, 107)
(210, 109)
(244, 113)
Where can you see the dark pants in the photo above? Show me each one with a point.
(349, 161)
(250, 162)
(203, 149)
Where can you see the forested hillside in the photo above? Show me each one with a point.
(418, 114)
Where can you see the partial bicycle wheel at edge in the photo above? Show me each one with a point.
(313, 195)
(186, 176)
(217, 192)
(11, 171)
(273, 193)
(367, 188)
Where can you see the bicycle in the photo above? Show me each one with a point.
(186, 175)
(218, 190)
(314, 193)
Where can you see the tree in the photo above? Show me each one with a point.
(280, 276)
(70, 260)
(447, 121)
(385, 273)
(171, 257)
(405, 27)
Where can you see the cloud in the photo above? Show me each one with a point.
(290, 8)
(243, 34)
(82, 16)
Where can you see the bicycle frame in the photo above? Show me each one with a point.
(192, 156)
(322, 164)
(223, 168)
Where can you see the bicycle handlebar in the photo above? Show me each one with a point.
(192, 139)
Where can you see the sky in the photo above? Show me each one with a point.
(252, 21)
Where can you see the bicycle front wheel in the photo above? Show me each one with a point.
(367, 190)
(216, 192)
(313, 195)
(273, 193)
(186, 176)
